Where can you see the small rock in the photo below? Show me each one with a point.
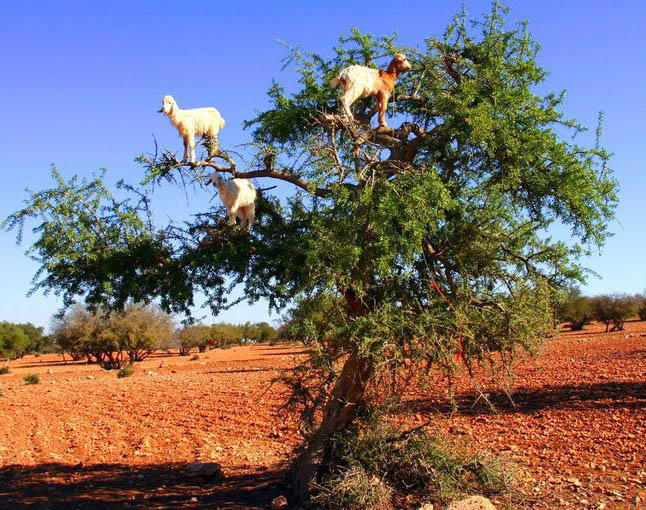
(193, 500)
(574, 481)
(50, 371)
(205, 469)
(636, 500)
(426, 506)
(150, 372)
(90, 377)
(601, 506)
(472, 503)
(279, 503)
(584, 502)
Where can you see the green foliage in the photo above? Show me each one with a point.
(352, 488)
(139, 331)
(107, 338)
(640, 305)
(613, 309)
(430, 467)
(224, 335)
(31, 379)
(4, 369)
(126, 371)
(193, 336)
(574, 309)
(14, 340)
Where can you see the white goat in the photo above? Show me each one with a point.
(192, 123)
(239, 197)
(360, 81)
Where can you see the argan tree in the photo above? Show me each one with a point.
(424, 242)
(574, 309)
(107, 337)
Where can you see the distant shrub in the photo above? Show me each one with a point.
(31, 379)
(195, 357)
(126, 371)
(4, 370)
(613, 309)
(574, 309)
(640, 305)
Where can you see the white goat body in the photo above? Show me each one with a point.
(193, 122)
(239, 197)
(360, 81)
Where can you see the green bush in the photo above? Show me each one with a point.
(353, 488)
(126, 371)
(4, 370)
(640, 305)
(408, 463)
(31, 379)
(574, 309)
(613, 309)
(106, 338)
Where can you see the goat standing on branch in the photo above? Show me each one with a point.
(360, 81)
(239, 197)
(192, 123)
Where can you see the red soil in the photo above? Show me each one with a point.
(84, 439)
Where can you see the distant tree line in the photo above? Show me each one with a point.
(16, 340)
(224, 335)
(577, 310)
(112, 338)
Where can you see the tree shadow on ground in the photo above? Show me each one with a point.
(119, 486)
(285, 353)
(610, 395)
(242, 370)
(53, 363)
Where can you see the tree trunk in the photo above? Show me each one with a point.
(339, 412)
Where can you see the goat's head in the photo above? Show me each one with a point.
(168, 103)
(401, 63)
(216, 179)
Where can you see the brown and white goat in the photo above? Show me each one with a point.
(360, 81)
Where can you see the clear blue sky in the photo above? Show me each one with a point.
(80, 84)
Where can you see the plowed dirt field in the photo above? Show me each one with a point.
(82, 438)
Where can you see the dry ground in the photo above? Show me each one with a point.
(84, 439)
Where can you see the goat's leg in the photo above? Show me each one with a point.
(186, 146)
(382, 104)
(249, 216)
(213, 146)
(232, 216)
(346, 101)
(191, 141)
